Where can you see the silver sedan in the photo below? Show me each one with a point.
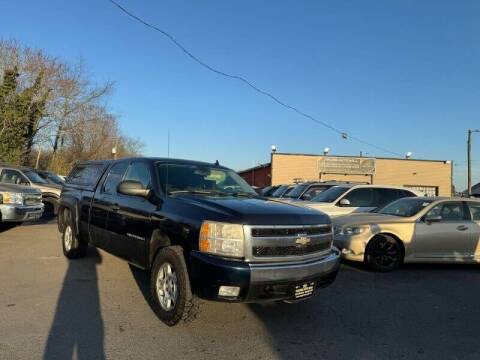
(421, 229)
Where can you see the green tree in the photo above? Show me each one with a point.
(20, 114)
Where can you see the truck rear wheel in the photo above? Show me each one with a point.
(170, 291)
(73, 248)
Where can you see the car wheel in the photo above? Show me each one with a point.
(170, 291)
(384, 253)
(73, 248)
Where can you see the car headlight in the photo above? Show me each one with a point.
(222, 239)
(11, 198)
(352, 230)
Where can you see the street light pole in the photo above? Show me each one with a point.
(469, 161)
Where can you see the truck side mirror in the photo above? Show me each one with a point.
(344, 202)
(133, 188)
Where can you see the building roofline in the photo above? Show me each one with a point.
(365, 157)
(261, 166)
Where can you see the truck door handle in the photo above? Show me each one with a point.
(114, 207)
(462, 227)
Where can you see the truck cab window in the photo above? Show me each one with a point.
(13, 177)
(139, 171)
(114, 177)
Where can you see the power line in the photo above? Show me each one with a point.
(248, 83)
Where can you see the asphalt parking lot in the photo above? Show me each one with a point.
(95, 308)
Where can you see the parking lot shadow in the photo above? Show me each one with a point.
(77, 328)
(418, 312)
(6, 226)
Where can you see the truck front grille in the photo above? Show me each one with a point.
(32, 199)
(260, 251)
(293, 231)
(276, 242)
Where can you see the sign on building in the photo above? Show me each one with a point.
(346, 165)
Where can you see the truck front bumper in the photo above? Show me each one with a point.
(261, 282)
(19, 213)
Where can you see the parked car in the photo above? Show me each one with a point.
(51, 177)
(199, 229)
(308, 190)
(21, 175)
(268, 191)
(281, 191)
(350, 198)
(420, 229)
(19, 203)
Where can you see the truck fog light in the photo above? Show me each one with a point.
(229, 291)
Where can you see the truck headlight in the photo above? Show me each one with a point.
(353, 230)
(11, 198)
(222, 239)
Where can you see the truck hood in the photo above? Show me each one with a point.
(255, 211)
(55, 189)
(18, 188)
(368, 219)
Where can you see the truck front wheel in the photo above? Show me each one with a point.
(73, 248)
(170, 291)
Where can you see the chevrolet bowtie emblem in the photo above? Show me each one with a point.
(302, 240)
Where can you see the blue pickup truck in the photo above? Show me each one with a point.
(199, 229)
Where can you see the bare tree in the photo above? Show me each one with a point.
(75, 122)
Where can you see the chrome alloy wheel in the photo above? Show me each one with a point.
(167, 286)
(68, 238)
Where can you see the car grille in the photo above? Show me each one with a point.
(32, 199)
(277, 241)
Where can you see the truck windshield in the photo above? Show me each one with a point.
(405, 207)
(330, 195)
(34, 177)
(201, 179)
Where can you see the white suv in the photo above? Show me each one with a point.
(350, 198)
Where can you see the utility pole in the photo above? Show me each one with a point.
(469, 161)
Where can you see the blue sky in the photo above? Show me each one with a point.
(404, 75)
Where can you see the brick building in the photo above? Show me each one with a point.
(433, 177)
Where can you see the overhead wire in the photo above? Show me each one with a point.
(344, 134)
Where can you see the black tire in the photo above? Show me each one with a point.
(384, 253)
(182, 305)
(51, 207)
(73, 248)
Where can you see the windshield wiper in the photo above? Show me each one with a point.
(196, 192)
(213, 192)
(240, 194)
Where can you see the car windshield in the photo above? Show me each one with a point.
(34, 177)
(405, 207)
(52, 178)
(296, 191)
(270, 191)
(280, 191)
(330, 195)
(201, 179)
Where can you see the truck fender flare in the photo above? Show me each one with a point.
(72, 206)
(158, 241)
